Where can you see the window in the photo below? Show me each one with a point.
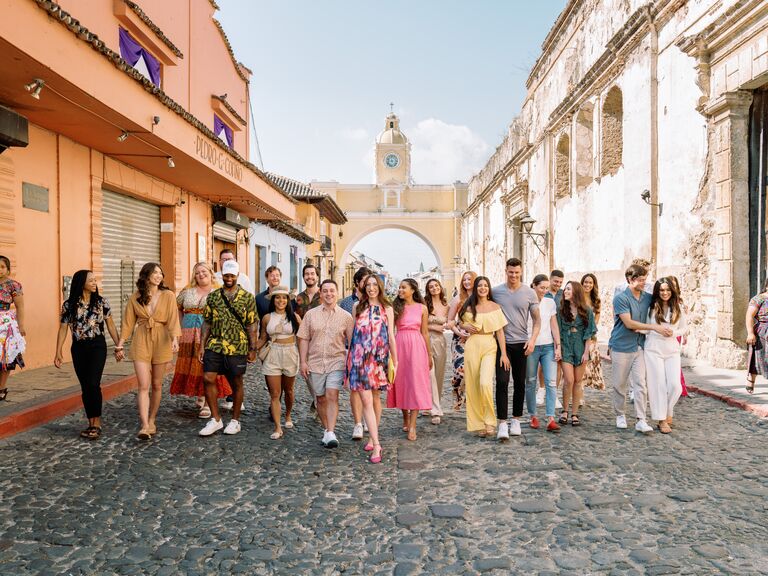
(584, 157)
(223, 132)
(141, 60)
(613, 138)
(563, 166)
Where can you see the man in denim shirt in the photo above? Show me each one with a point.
(630, 314)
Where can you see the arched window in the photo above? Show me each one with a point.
(584, 156)
(612, 132)
(563, 166)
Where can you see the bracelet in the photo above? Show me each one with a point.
(118, 348)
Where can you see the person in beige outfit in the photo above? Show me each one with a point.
(152, 318)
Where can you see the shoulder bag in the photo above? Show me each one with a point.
(234, 314)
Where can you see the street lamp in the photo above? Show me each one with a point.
(539, 239)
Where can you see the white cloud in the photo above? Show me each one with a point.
(355, 134)
(443, 153)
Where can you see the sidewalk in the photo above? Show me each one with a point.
(44, 394)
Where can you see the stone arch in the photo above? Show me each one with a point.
(391, 226)
(612, 132)
(563, 166)
(583, 149)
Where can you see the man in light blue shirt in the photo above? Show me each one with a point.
(630, 315)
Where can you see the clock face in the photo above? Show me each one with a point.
(392, 160)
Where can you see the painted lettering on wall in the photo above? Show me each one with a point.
(218, 159)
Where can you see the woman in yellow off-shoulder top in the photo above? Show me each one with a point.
(480, 355)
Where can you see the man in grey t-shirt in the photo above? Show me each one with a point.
(518, 302)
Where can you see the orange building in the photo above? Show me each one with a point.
(124, 137)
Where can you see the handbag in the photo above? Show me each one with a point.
(758, 345)
(264, 351)
(391, 371)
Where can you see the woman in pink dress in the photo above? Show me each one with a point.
(412, 389)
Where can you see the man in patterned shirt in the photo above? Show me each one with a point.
(227, 343)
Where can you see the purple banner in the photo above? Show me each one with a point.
(218, 126)
(131, 51)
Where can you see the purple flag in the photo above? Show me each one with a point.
(218, 126)
(131, 51)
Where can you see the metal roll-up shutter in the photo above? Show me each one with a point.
(130, 239)
(225, 232)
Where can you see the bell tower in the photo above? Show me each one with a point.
(393, 154)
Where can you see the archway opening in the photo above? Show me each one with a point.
(394, 253)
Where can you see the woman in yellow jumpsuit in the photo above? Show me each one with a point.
(486, 316)
(153, 312)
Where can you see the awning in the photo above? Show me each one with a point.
(78, 103)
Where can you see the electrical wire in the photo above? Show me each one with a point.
(255, 135)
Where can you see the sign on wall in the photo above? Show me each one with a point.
(34, 197)
(202, 254)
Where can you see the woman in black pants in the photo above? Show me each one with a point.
(86, 313)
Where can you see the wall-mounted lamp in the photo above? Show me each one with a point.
(35, 87)
(122, 137)
(155, 120)
(171, 163)
(539, 239)
(646, 196)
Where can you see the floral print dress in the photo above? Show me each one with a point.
(12, 343)
(368, 357)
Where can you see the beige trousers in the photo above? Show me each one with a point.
(439, 351)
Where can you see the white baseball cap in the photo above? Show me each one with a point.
(230, 267)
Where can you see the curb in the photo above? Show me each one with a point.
(760, 410)
(63, 405)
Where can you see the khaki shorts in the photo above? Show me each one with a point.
(282, 360)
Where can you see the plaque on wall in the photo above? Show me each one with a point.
(34, 197)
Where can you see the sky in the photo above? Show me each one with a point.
(325, 72)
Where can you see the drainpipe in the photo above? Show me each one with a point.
(654, 184)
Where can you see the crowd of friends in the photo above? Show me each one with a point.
(541, 336)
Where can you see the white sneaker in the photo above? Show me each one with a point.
(632, 396)
(212, 427)
(227, 405)
(324, 441)
(332, 441)
(357, 432)
(642, 426)
(233, 427)
(621, 422)
(205, 412)
(558, 404)
(503, 433)
(365, 427)
(540, 396)
(514, 427)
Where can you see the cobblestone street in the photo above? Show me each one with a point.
(592, 500)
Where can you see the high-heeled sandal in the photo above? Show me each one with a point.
(750, 386)
(368, 447)
(376, 459)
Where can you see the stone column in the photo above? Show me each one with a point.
(729, 117)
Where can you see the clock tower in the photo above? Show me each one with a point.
(393, 156)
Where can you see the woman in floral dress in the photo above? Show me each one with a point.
(459, 339)
(593, 373)
(188, 376)
(372, 344)
(12, 343)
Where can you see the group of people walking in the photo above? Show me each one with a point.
(537, 335)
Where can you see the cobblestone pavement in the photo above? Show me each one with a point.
(590, 500)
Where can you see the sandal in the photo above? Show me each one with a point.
(563, 417)
(87, 432)
(575, 420)
(276, 435)
(288, 424)
(3, 394)
(750, 388)
(95, 433)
